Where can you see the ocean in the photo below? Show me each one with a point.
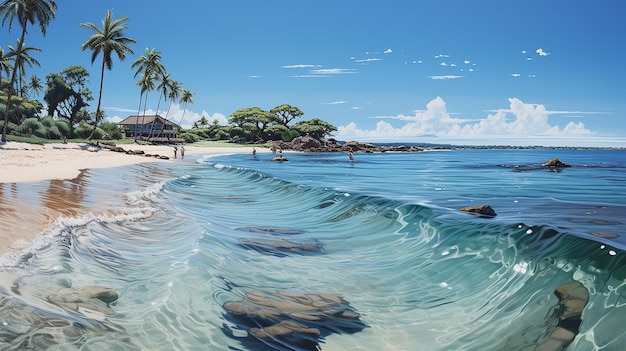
(239, 252)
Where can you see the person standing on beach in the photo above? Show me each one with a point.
(182, 151)
(175, 150)
(253, 151)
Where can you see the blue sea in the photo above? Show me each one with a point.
(239, 252)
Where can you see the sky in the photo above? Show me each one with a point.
(484, 72)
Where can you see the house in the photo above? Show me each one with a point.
(149, 127)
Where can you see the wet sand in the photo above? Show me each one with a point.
(40, 183)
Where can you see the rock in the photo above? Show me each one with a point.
(93, 298)
(555, 162)
(293, 321)
(573, 298)
(481, 210)
(281, 247)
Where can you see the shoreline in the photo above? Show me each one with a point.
(22, 162)
(41, 183)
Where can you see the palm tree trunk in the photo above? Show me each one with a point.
(157, 113)
(13, 78)
(99, 102)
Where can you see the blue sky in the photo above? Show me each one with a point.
(439, 71)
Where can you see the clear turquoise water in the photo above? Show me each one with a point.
(172, 241)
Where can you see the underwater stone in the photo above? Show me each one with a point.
(482, 210)
(573, 297)
(288, 318)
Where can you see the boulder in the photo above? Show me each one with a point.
(481, 210)
(555, 162)
(290, 320)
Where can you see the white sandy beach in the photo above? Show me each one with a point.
(22, 220)
(22, 162)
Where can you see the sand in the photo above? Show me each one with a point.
(23, 219)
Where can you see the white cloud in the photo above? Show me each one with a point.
(333, 71)
(367, 60)
(467, 62)
(444, 63)
(445, 77)
(516, 75)
(301, 66)
(523, 51)
(388, 51)
(336, 102)
(519, 122)
(540, 52)
(185, 118)
(441, 56)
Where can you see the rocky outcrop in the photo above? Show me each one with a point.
(555, 162)
(294, 321)
(480, 210)
(309, 144)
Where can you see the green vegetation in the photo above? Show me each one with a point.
(66, 114)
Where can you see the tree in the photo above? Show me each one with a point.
(286, 113)
(315, 128)
(150, 68)
(107, 40)
(253, 120)
(24, 12)
(22, 58)
(67, 94)
(186, 98)
(35, 85)
(5, 63)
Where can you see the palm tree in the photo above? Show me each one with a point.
(35, 85)
(24, 12)
(107, 40)
(163, 87)
(149, 66)
(22, 58)
(174, 90)
(186, 98)
(5, 63)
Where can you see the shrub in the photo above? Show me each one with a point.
(32, 126)
(63, 128)
(189, 137)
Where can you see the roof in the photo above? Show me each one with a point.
(147, 119)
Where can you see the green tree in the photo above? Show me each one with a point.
(286, 113)
(24, 59)
(108, 39)
(67, 94)
(150, 68)
(35, 85)
(24, 12)
(315, 128)
(186, 97)
(5, 63)
(253, 120)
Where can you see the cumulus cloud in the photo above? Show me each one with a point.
(540, 52)
(388, 51)
(520, 120)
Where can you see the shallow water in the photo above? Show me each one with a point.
(178, 242)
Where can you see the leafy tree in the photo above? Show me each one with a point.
(67, 94)
(253, 120)
(315, 128)
(5, 63)
(286, 113)
(107, 40)
(24, 12)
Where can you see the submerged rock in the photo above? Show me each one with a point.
(555, 162)
(281, 247)
(481, 210)
(573, 298)
(293, 320)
